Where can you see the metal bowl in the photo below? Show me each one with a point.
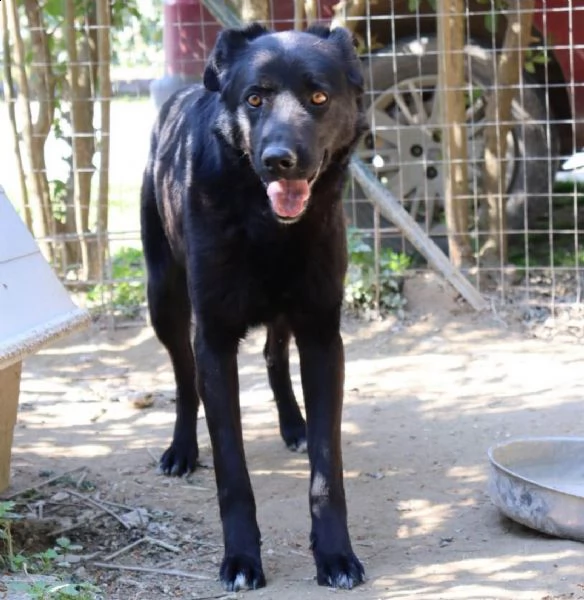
(539, 482)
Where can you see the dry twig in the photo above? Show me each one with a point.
(154, 458)
(171, 572)
(99, 505)
(35, 488)
(148, 539)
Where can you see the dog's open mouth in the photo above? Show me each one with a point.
(289, 197)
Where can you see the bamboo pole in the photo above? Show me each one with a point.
(77, 142)
(105, 89)
(255, 10)
(451, 60)
(298, 14)
(311, 11)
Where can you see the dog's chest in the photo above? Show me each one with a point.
(276, 277)
(252, 283)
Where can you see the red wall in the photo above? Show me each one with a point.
(190, 32)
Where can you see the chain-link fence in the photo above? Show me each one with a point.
(496, 183)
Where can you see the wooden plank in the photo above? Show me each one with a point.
(9, 391)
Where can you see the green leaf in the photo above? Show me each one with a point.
(63, 542)
(53, 8)
(491, 22)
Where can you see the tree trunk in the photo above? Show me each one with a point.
(82, 143)
(105, 92)
(42, 84)
(451, 39)
(499, 122)
(10, 103)
(41, 75)
(34, 146)
(255, 10)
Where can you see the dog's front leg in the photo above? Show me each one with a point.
(218, 383)
(322, 369)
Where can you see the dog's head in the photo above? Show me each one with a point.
(292, 102)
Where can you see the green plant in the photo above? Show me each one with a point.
(126, 292)
(368, 289)
(41, 562)
(7, 557)
(43, 590)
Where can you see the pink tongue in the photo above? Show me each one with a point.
(288, 197)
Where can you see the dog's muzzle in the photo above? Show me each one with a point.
(289, 197)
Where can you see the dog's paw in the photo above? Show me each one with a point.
(342, 571)
(179, 459)
(295, 437)
(242, 572)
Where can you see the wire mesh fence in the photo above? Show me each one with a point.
(502, 182)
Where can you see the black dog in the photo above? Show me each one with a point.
(242, 224)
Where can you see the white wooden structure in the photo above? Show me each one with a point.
(35, 309)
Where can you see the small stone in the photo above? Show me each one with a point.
(136, 518)
(141, 399)
(59, 497)
(81, 572)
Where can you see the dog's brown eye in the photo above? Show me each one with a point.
(254, 100)
(319, 98)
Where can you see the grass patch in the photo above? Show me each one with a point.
(368, 291)
(126, 293)
(50, 562)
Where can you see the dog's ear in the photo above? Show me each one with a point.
(342, 34)
(347, 44)
(228, 44)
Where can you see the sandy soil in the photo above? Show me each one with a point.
(424, 401)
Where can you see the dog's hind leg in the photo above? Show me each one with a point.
(170, 312)
(292, 424)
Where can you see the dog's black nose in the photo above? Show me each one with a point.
(279, 160)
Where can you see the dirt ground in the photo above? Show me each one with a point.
(425, 398)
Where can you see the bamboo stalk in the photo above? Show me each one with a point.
(298, 14)
(105, 88)
(311, 11)
(76, 122)
(451, 34)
